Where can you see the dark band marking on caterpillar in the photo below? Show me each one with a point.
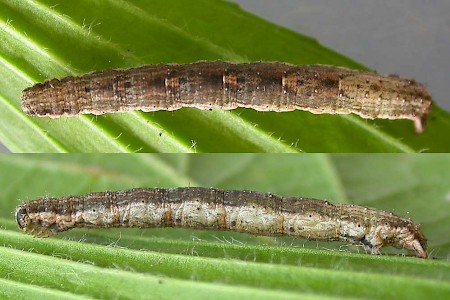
(215, 209)
(263, 86)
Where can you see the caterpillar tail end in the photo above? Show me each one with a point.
(419, 251)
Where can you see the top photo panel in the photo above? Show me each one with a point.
(223, 76)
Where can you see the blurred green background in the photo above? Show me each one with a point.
(135, 263)
(415, 186)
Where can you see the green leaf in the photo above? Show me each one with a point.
(43, 40)
(182, 263)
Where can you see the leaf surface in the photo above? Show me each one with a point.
(42, 40)
(131, 263)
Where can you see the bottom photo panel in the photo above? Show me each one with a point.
(220, 226)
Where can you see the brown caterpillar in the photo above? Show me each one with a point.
(240, 211)
(263, 86)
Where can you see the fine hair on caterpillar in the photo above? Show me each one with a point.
(263, 86)
(214, 209)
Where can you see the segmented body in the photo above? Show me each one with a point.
(241, 211)
(263, 86)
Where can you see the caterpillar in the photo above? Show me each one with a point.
(263, 86)
(235, 210)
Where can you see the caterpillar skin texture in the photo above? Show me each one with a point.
(263, 86)
(209, 208)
